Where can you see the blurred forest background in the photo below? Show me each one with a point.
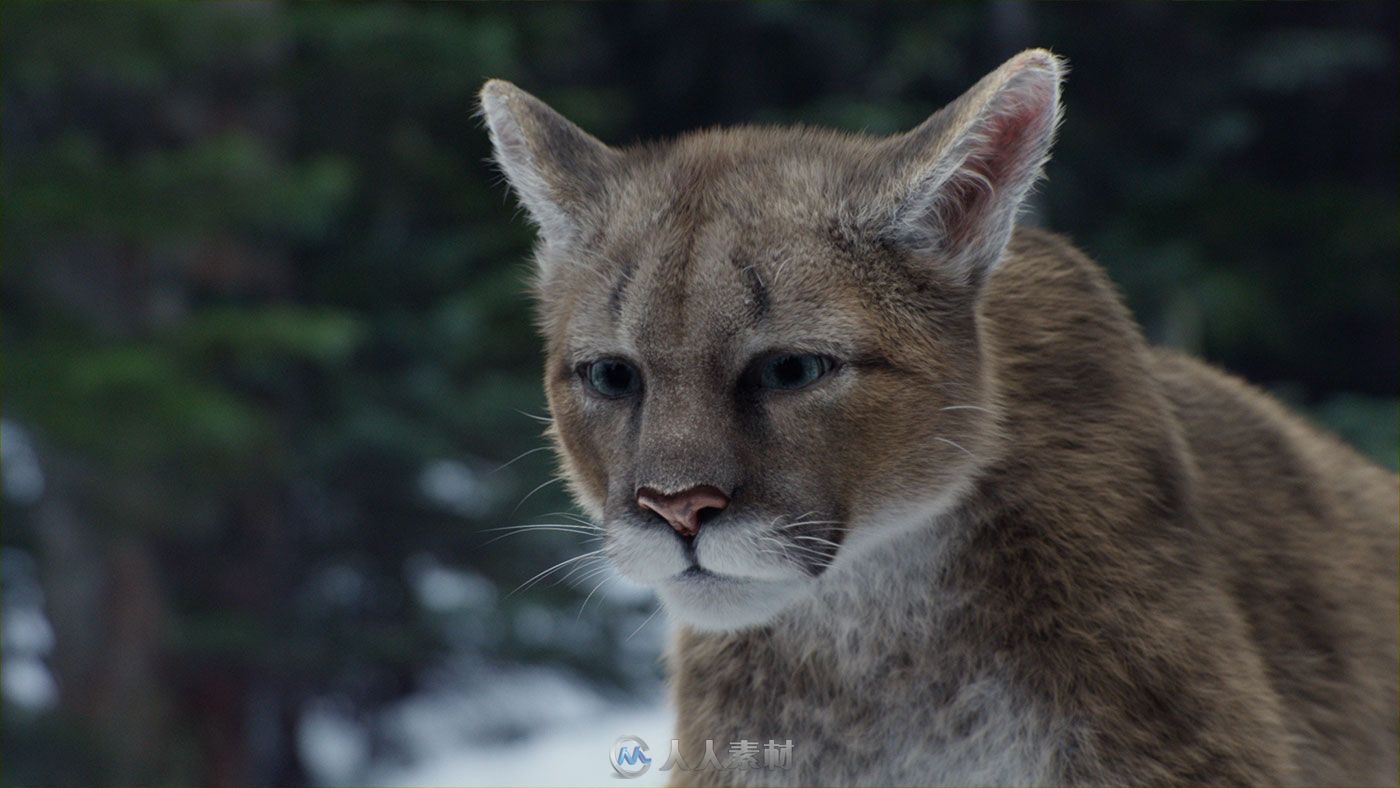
(267, 346)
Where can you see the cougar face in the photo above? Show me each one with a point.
(762, 346)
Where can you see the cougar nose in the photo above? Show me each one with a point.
(682, 510)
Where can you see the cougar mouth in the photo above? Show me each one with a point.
(698, 572)
(714, 602)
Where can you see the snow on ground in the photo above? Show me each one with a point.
(495, 724)
(525, 727)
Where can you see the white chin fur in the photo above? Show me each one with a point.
(721, 604)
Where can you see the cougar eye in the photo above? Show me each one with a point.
(791, 371)
(611, 377)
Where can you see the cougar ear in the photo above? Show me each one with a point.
(556, 169)
(961, 176)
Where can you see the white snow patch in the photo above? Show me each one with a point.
(522, 727)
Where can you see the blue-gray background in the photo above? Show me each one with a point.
(266, 344)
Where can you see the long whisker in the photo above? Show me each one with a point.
(644, 623)
(571, 516)
(817, 539)
(537, 489)
(607, 577)
(546, 526)
(957, 446)
(521, 456)
(808, 549)
(966, 407)
(556, 567)
(593, 571)
(829, 525)
(839, 529)
(784, 550)
(806, 556)
(783, 554)
(575, 569)
(516, 530)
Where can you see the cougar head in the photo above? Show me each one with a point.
(762, 343)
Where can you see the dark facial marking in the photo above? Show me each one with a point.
(877, 362)
(758, 292)
(619, 290)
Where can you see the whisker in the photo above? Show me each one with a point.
(644, 623)
(573, 571)
(545, 526)
(783, 554)
(956, 446)
(571, 516)
(592, 572)
(537, 489)
(541, 419)
(522, 456)
(815, 522)
(806, 549)
(966, 407)
(816, 539)
(556, 567)
(599, 585)
(516, 530)
(816, 556)
(832, 525)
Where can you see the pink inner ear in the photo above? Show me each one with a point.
(1004, 156)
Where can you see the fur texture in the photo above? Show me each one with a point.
(1002, 540)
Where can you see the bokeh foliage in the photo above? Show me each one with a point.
(266, 319)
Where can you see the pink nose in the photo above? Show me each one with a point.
(682, 510)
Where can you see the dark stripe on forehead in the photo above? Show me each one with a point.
(759, 300)
(619, 290)
(687, 179)
(680, 222)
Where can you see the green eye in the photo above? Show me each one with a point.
(793, 371)
(611, 377)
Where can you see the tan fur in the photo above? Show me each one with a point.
(1006, 541)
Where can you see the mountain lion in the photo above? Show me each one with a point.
(918, 494)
